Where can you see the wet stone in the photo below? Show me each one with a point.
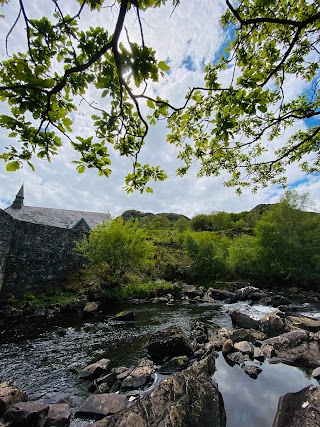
(95, 370)
(9, 395)
(58, 415)
(252, 371)
(26, 413)
(100, 405)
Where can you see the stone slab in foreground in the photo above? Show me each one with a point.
(299, 409)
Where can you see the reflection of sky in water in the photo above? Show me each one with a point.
(253, 403)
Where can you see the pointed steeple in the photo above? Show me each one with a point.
(18, 203)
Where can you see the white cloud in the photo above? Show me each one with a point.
(191, 31)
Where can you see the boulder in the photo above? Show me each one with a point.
(95, 370)
(297, 348)
(288, 340)
(100, 405)
(250, 335)
(221, 295)
(103, 384)
(244, 346)
(9, 395)
(124, 316)
(29, 414)
(252, 371)
(188, 398)
(176, 364)
(258, 354)
(299, 409)
(169, 343)
(302, 322)
(236, 357)
(244, 320)
(316, 373)
(90, 308)
(227, 347)
(267, 351)
(138, 377)
(58, 415)
(192, 291)
(244, 294)
(272, 324)
(199, 333)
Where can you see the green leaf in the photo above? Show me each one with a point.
(13, 166)
(150, 104)
(163, 66)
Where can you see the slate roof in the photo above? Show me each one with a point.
(61, 218)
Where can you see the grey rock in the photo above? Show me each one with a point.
(138, 377)
(272, 324)
(303, 323)
(299, 409)
(316, 373)
(58, 415)
(9, 395)
(100, 405)
(176, 364)
(244, 320)
(29, 414)
(244, 346)
(258, 354)
(95, 370)
(221, 295)
(236, 357)
(244, 294)
(250, 335)
(90, 307)
(252, 371)
(187, 398)
(227, 346)
(169, 343)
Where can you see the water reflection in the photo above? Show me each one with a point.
(252, 403)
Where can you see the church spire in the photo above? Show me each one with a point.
(18, 203)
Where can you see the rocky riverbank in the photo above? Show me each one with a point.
(173, 386)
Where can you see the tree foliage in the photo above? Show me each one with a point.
(236, 126)
(288, 239)
(116, 248)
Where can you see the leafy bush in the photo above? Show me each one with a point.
(113, 250)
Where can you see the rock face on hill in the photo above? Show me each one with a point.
(133, 214)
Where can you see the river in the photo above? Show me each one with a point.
(43, 358)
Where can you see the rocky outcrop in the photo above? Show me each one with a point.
(299, 409)
(9, 395)
(187, 399)
(169, 343)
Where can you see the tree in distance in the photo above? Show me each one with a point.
(235, 127)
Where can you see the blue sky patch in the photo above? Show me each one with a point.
(188, 63)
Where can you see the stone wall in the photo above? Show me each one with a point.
(33, 256)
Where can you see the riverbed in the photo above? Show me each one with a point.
(43, 358)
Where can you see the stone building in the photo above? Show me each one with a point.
(36, 244)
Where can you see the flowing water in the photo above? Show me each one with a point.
(43, 359)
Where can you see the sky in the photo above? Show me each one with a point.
(186, 39)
